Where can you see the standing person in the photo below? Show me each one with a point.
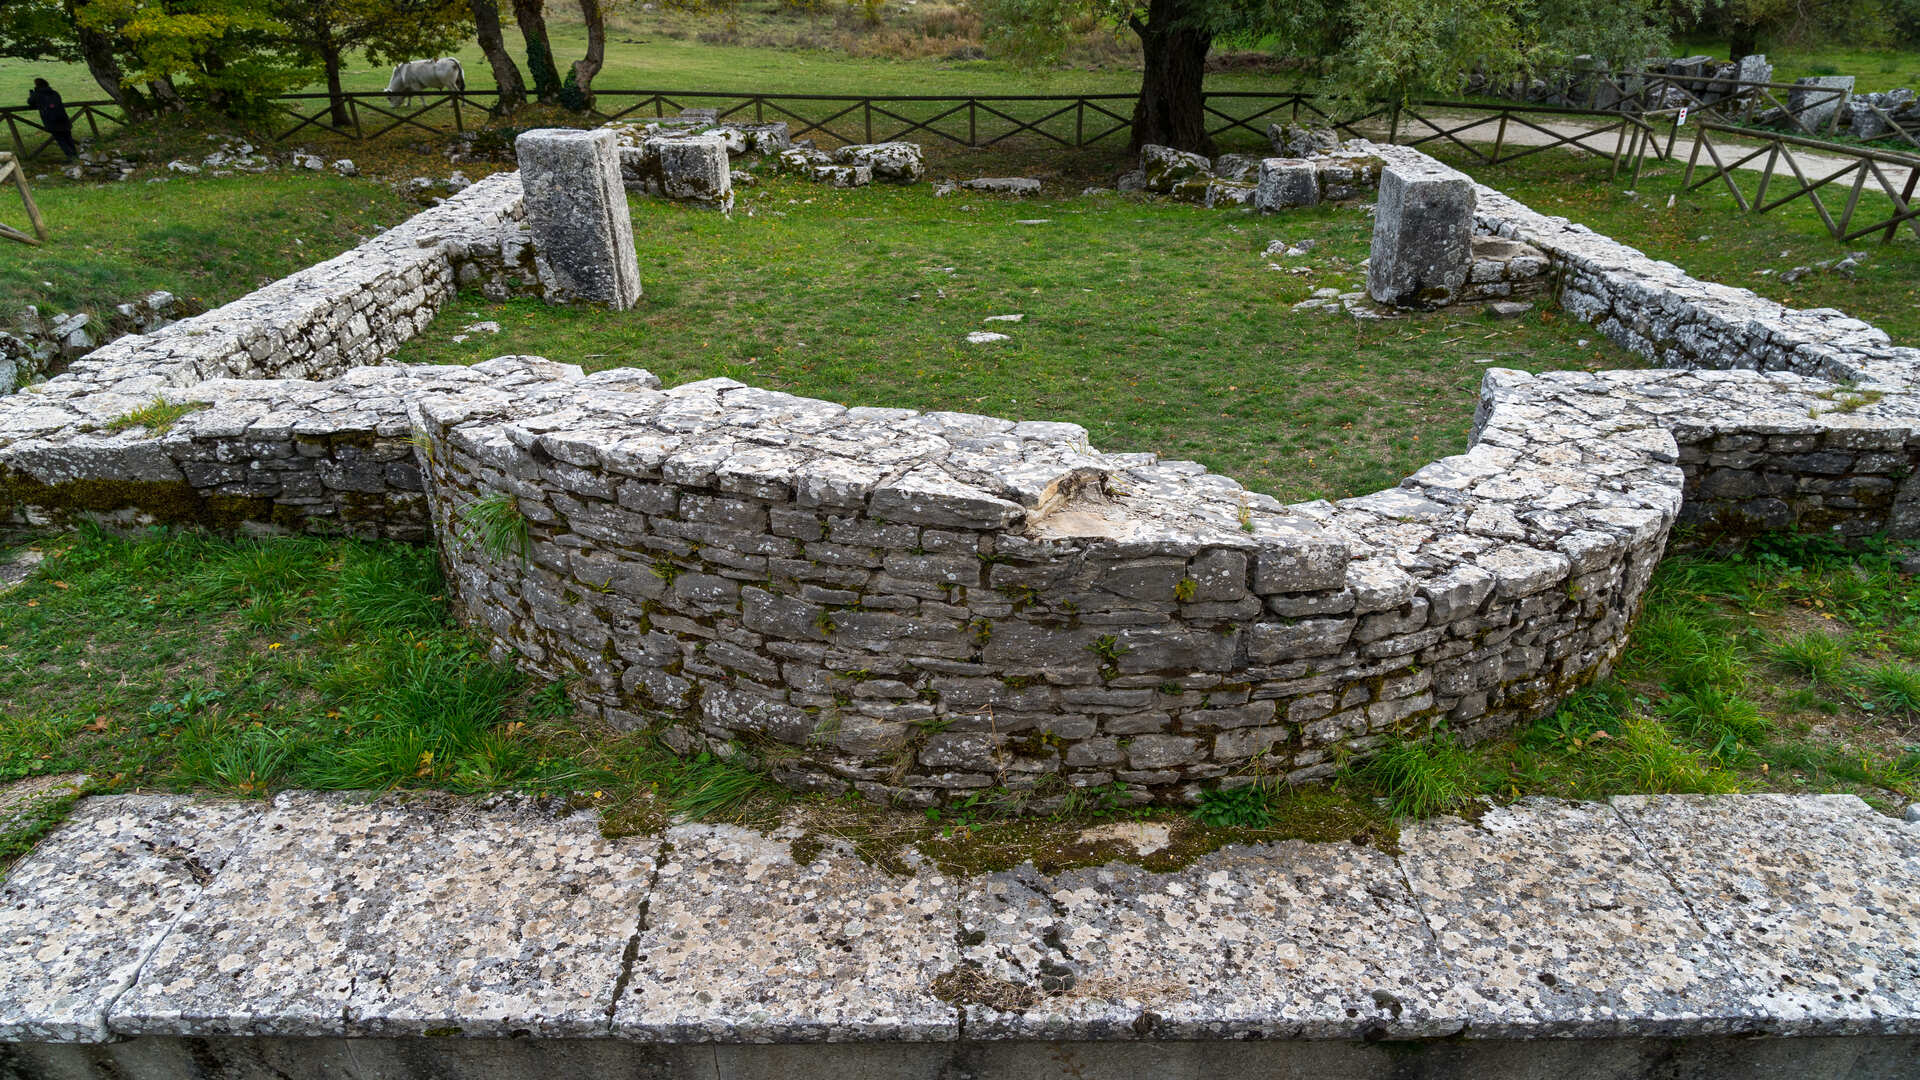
(53, 116)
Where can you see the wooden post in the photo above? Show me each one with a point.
(10, 167)
(1499, 137)
(972, 138)
(1766, 175)
(1693, 158)
(866, 107)
(1080, 124)
(1906, 198)
(353, 110)
(19, 148)
(457, 124)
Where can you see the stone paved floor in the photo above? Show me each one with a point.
(319, 915)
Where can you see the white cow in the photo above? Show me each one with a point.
(420, 76)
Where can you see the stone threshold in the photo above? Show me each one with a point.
(167, 924)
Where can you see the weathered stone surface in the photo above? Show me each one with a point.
(80, 917)
(1566, 925)
(742, 944)
(694, 170)
(1166, 168)
(1815, 898)
(338, 917)
(1422, 235)
(894, 162)
(1817, 101)
(1287, 182)
(1331, 946)
(577, 207)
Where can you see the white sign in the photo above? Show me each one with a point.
(1683, 116)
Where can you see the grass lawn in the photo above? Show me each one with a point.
(113, 243)
(1158, 327)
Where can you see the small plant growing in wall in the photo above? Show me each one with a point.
(1185, 590)
(495, 525)
(1246, 515)
(156, 416)
(1109, 649)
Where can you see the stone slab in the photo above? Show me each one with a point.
(81, 914)
(1422, 234)
(743, 944)
(1287, 941)
(1557, 922)
(505, 923)
(577, 209)
(264, 951)
(1817, 897)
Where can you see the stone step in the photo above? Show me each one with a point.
(1676, 925)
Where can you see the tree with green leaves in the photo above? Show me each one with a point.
(323, 32)
(228, 52)
(1371, 49)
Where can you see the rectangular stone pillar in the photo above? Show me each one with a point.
(1422, 235)
(577, 211)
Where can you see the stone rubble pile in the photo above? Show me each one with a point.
(1268, 184)
(37, 343)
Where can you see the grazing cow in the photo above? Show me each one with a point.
(417, 77)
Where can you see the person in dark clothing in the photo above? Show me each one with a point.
(53, 116)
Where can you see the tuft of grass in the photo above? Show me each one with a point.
(157, 416)
(1423, 778)
(710, 788)
(1896, 686)
(1646, 759)
(494, 523)
(1813, 656)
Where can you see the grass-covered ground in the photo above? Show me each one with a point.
(174, 661)
(1158, 326)
(207, 240)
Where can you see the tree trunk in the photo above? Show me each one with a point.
(165, 94)
(585, 70)
(1172, 106)
(506, 74)
(533, 27)
(336, 97)
(96, 48)
(1743, 40)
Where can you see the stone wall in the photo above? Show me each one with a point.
(1832, 467)
(921, 606)
(261, 413)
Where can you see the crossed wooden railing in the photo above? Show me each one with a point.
(1863, 162)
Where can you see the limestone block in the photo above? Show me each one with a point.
(1813, 103)
(1753, 68)
(1299, 141)
(577, 208)
(695, 170)
(1286, 182)
(895, 162)
(1166, 168)
(1422, 235)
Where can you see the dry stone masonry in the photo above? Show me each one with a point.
(917, 607)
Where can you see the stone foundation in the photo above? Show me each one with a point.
(921, 606)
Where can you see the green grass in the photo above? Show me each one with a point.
(1159, 327)
(114, 243)
(1772, 667)
(1706, 234)
(1872, 69)
(157, 417)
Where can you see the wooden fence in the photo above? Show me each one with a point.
(1861, 163)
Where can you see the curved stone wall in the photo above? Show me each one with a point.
(921, 606)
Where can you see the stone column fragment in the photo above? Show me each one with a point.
(1422, 235)
(1286, 182)
(577, 210)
